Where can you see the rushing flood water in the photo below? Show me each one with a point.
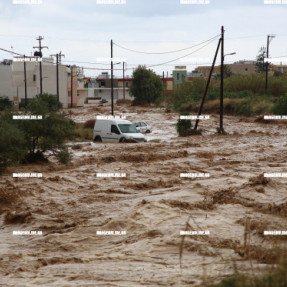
(152, 204)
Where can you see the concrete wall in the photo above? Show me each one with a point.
(12, 79)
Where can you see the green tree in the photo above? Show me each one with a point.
(12, 142)
(49, 133)
(146, 86)
(260, 64)
(226, 73)
(28, 140)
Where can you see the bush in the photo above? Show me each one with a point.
(123, 102)
(89, 124)
(280, 107)
(12, 144)
(183, 126)
(27, 140)
(82, 133)
(43, 104)
(185, 107)
(64, 156)
(5, 103)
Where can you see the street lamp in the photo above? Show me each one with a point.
(233, 53)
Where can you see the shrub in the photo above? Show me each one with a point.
(27, 140)
(123, 102)
(280, 107)
(5, 103)
(64, 156)
(183, 126)
(185, 107)
(89, 124)
(12, 144)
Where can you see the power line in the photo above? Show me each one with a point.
(92, 63)
(169, 52)
(155, 65)
(8, 51)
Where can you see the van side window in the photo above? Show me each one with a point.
(114, 129)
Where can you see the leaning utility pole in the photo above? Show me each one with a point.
(112, 78)
(207, 85)
(221, 130)
(40, 47)
(267, 63)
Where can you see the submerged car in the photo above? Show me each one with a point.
(116, 130)
(143, 127)
(102, 101)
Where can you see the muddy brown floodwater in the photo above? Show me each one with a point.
(152, 204)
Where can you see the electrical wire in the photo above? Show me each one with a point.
(92, 63)
(169, 52)
(8, 51)
(156, 65)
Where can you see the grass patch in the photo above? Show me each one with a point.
(82, 133)
(89, 124)
(276, 278)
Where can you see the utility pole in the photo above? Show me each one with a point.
(267, 63)
(25, 81)
(112, 78)
(60, 57)
(72, 86)
(163, 82)
(58, 61)
(124, 95)
(221, 130)
(39, 53)
(207, 85)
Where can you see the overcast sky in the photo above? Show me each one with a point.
(82, 30)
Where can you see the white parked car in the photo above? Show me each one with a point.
(116, 130)
(143, 127)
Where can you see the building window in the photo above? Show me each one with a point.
(34, 78)
(177, 76)
(246, 69)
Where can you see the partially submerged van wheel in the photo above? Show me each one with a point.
(124, 140)
(98, 139)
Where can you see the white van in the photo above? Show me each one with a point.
(116, 130)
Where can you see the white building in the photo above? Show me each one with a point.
(12, 79)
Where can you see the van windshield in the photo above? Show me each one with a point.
(128, 128)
